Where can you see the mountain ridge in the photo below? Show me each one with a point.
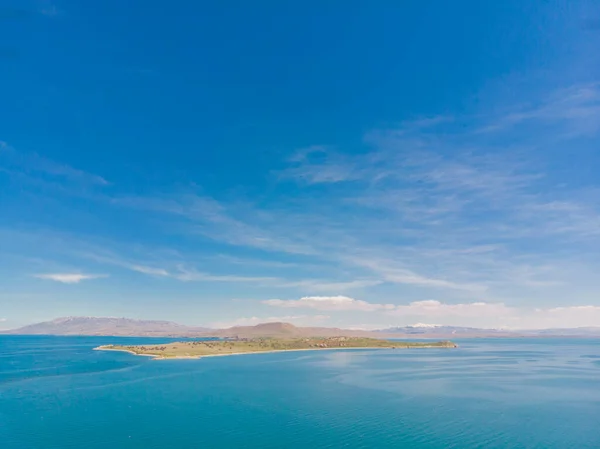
(115, 326)
(278, 329)
(107, 326)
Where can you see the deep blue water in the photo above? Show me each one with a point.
(56, 393)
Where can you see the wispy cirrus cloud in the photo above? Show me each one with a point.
(420, 211)
(320, 164)
(435, 190)
(149, 270)
(204, 216)
(169, 264)
(167, 268)
(302, 240)
(32, 166)
(430, 206)
(69, 278)
(104, 256)
(575, 110)
(325, 285)
(391, 272)
(187, 274)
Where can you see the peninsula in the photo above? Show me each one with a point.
(207, 348)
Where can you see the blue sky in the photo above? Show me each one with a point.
(322, 163)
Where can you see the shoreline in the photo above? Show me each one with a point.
(104, 348)
(195, 357)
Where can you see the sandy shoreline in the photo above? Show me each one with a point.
(192, 357)
(104, 348)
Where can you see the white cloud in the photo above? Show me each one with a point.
(301, 320)
(569, 316)
(471, 314)
(2, 320)
(434, 309)
(68, 278)
(338, 303)
(484, 314)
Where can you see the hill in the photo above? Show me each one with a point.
(436, 331)
(285, 330)
(156, 328)
(108, 326)
(150, 328)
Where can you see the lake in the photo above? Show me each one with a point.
(57, 393)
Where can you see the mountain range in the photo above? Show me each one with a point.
(433, 331)
(426, 330)
(77, 325)
(108, 326)
(286, 330)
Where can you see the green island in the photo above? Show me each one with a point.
(208, 348)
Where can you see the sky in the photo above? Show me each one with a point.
(343, 163)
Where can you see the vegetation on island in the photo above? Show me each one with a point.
(195, 349)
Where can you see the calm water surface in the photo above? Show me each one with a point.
(57, 393)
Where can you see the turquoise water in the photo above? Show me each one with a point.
(56, 393)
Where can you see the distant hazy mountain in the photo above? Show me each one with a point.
(559, 332)
(429, 329)
(149, 328)
(434, 331)
(285, 330)
(129, 327)
(108, 326)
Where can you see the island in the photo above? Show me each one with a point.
(208, 348)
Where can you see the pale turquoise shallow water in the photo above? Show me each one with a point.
(56, 393)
